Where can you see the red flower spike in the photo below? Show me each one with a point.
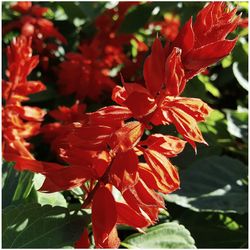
(83, 242)
(214, 22)
(32, 24)
(20, 122)
(104, 218)
(200, 40)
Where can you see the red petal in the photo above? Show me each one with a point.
(195, 107)
(175, 76)
(66, 178)
(163, 170)
(144, 201)
(185, 39)
(127, 136)
(109, 115)
(32, 165)
(128, 216)
(123, 172)
(119, 95)
(29, 113)
(154, 68)
(198, 59)
(146, 105)
(30, 87)
(186, 125)
(83, 242)
(104, 218)
(169, 146)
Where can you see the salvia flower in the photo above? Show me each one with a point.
(20, 122)
(106, 152)
(31, 23)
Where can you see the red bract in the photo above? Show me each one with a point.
(20, 122)
(204, 42)
(32, 24)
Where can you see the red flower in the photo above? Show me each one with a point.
(243, 22)
(204, 42)
(32, 24)
(20, 122)
(160, 102)
(169, 28)
(104, 151)
(85, 74)
(83, 242)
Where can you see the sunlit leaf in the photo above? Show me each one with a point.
(213, 184)
(166, 235)
(36, 226)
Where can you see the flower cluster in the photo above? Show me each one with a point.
(88, 73)
(169, 27)
(20, 122)
(107, 152)
(31, 23)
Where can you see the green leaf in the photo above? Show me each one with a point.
(215, 230)
(209, 86)
(237, 123)
(213, 184)
(239, 76)
(35, 226)
(16, 186)
(72, 10)
(240, 65)
(136, 18)
(91, 9)
(166, 235)
(9, 182)
(53, 199)
(24, 186)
